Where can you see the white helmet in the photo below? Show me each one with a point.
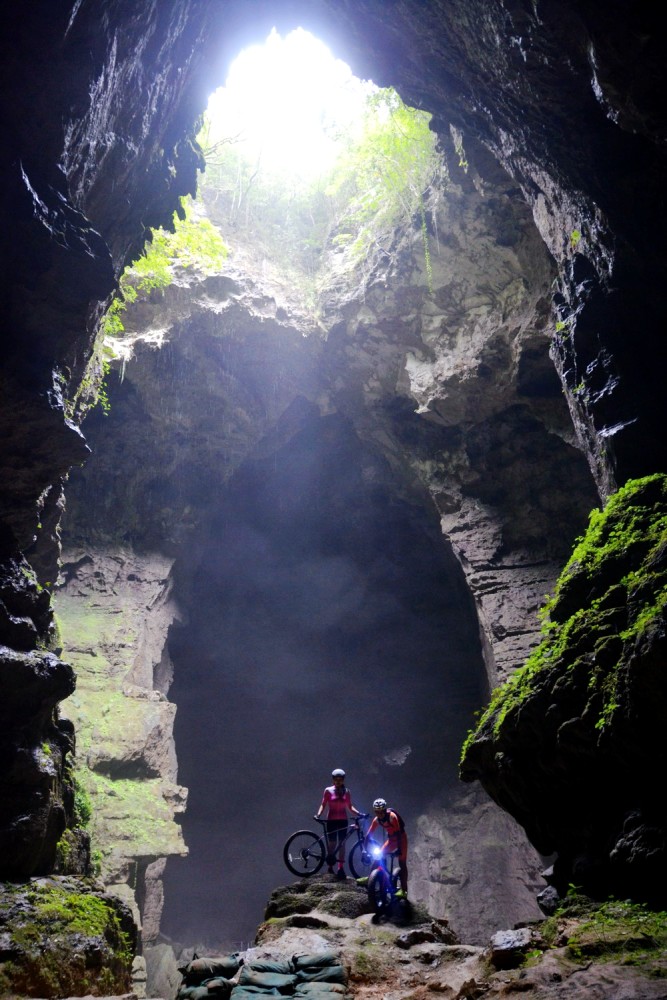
(380, 804)
(338, 772)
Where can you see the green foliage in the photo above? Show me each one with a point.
(62, 940)
(194, 243)
(575, 237)
(83, 807)
(103, 391)
(93, 388)
(376, 183)
(610, 930)
(379, 180)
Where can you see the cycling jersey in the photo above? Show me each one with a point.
(396, 840)
(338, 804)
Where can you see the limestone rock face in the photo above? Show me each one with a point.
(566, 96)
(222, 371)
(469, 843)
(542, 90)
(63, 936)
(592, 696)
(115, 611)
(38, 796)
(69, 87)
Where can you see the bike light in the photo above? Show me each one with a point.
(377, 851)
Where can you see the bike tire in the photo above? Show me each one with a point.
(357, 867)
(401, 912)
(304, 853)
(379, 894)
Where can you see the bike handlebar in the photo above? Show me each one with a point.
(355, 819)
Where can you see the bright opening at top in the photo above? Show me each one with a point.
(286, 102)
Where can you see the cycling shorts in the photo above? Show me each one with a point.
(336, 829)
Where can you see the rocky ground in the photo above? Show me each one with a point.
(425, 958)
(612, 952)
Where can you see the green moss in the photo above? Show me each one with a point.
(64, 940)
(63, 852)
(72, 913)
(613, 930)
(370, 962)
(83, 807)
(136, 811)
(612, 592)
(128, 817)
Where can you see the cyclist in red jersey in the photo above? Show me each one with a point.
(395, 838)
(338, 803)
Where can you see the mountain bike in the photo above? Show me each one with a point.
(383, 884)
(305, 851)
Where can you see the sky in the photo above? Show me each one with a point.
(287, 100)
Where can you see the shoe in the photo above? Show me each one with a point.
(330, 870)
(401, 895)
(340, 874)
(362, 881)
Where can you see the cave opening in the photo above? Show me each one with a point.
(329, 626)
(476, 373)
(287, 106)
(264, 465)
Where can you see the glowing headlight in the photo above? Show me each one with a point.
(377, 851)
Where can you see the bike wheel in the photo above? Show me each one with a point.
(354, 862)
(379, 893)
(304, 853)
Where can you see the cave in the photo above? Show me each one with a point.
(291, 538)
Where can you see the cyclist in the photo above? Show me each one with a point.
(338, 802)
(395, 839)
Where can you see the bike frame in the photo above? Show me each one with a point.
(354, 826)
(305, 852)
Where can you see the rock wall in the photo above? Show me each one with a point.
(567, 96)
(594, 685)
(450, 392)
(115, 610)
(84, 171)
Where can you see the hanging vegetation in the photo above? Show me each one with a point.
(377, 182)
(194, 243)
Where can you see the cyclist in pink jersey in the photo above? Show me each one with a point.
(338, 802)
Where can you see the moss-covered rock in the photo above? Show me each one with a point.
(573, 743)
(324, 894)
(613, 930)
(64, 937)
